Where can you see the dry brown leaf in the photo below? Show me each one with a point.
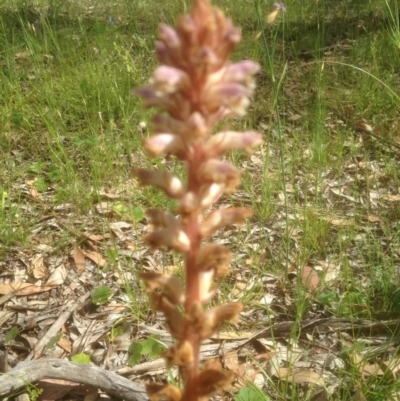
(58, 276)
(320, 395)
(340, 222)
(392, 364)
(92, 396)
(23, 289)
(22, 55)
(374, 219)
(247, 371)
(79, 259)
(359, 395)
(65, 344)
(34, 192)
(98, 237)
(294, 117)
(231, 360)
(300, 376)
(39, 268)
(118, 228)
(266, 356)
(309, 278)
(332, 272)
(391, 198)
(363, 127)
(104, 208)
(372, 369)
(256, 160)
(95, 257)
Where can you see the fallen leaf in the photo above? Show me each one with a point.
(391, 198)
(359, 395)
(231, 360)
(39, 268)
(79, 259)
(247, 371)
(256, 160)
(300, 376)
(22, 55)
(374, 219)
(58, 276)
(23, 289)
(95, 257)
(98, 237)
(65, 344)
(118, 228)
(309, 278)
(104, 208)
(364, 127)
(294, 117)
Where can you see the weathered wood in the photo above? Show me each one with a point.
(33, 371)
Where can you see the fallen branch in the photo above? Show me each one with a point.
(33, 371)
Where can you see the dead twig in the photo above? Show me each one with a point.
(33, 371)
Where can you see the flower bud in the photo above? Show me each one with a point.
(169, 36)
(241, 72)
(220, 172)
(206, 323)
(167, 182)
(206, 291)
(224, 217)
(170, 237)
(175, 320)
(162, 122)
(160, 218)
(169, 79)
(180, 354)
(197, 126)
(164, 144)
(209, 194)
(163, 392)
(188, 203)
(222, 142)
(214, 257)
(170, 285)
(214, 381)
(233, 97)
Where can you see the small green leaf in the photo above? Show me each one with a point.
(326, 297)
(53, 341)
(120, 208)
(41, 184)
(116, 332)
(83, 359)
(101, 295)
(137, 214)
(11, 334)
(135, 351)
(251, 393)
(156, 351)
(152, 347)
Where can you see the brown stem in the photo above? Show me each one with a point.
(192, 284)
(192, 296)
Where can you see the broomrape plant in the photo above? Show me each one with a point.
(193, 89)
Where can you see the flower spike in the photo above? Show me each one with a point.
(193, 89)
